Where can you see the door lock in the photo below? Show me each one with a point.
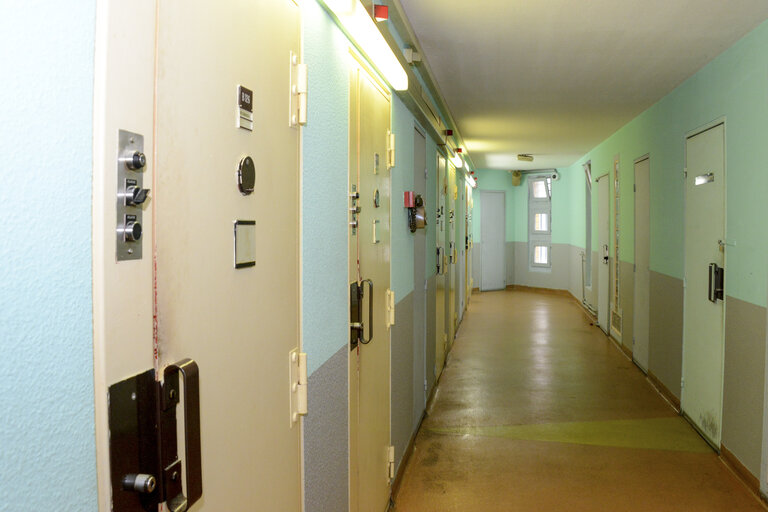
(131, 194)
(134, 195)
(140, 483)
(131, 229)
(143, 446)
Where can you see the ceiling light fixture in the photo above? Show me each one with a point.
(525, 158)
(361, 29)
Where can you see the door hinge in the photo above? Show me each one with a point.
(634, 267)
(685, 172)
(298, 368)
(634, 188)
(390, 150)
(682, 383)
(390, 308)
(299, 87)
(391, 461)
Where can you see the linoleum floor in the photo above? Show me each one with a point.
(537, 410)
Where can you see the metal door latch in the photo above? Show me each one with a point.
(143, 447)
(716, 282)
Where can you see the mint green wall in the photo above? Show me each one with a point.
(325, 150)
(733, 86)
(325, 147)
(402, 179)
(47, 446)
(563, 200)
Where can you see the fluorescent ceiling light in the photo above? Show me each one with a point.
(457, 161)
(362, 30)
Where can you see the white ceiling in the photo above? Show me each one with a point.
(556, 77)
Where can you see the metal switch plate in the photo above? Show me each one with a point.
(131, 163)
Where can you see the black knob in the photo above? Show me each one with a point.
(137, 160)
(132, 231)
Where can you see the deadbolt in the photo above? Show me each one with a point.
(135, 160)
(131, 230)
(144, 484)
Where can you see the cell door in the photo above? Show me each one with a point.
(225, 291)
(441, 335)
(453, 253)
(369, 358)
(603, 267)
(493, 226)
(640, 346)
(419, 280)
(703, 317)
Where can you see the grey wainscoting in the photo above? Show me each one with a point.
(744, 381)
(666, 330)
(431, 327)
(627, 298)
(402, 376)
(326, 439)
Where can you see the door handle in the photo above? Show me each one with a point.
(363, 339)
(176, 500)
(145, 468)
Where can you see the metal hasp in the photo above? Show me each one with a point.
(143, 446)
(131, 163)
(716, 282)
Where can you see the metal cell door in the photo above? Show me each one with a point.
(641, 320)
(441, 335)
(369, 356)
(225, 290)
(703, 317)
(604, 271)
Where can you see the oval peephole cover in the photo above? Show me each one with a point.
(246, 176)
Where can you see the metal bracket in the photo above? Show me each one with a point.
(143, 446)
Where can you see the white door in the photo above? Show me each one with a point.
(703, 340)
(603, 267)
(493, 226)
(369, 359)
(239, 323)
(642, 263)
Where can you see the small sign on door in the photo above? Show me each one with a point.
(244, 108)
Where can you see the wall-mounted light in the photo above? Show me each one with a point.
(457, 161)
(470, 181)
(361, 29)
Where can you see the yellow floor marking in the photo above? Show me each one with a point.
(672, 433)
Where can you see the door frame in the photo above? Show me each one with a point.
(121, 320)
(688, 135)
(646, 156)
